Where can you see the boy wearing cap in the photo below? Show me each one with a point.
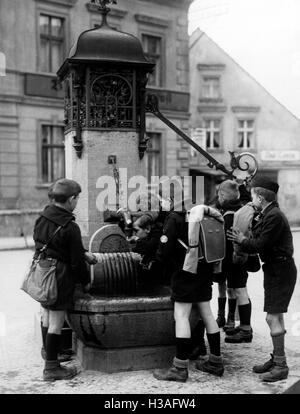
(272, 239)
(66, 247)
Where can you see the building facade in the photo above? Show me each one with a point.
(35, 38)
(231, 111)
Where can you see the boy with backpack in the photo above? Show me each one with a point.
(188, 288)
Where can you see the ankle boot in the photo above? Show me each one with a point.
(279, 371)
(178, 371)
(239, 336)
(266, 367)
(214, 365)
(53, 371)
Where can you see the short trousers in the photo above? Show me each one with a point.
(192, 288)
(279, 283)
(236, 277)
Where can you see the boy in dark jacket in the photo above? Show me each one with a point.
(66, 247)
(187, 288)
(147, 232)
(272, 239)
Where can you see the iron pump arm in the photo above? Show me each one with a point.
(152, 106)
(235, 162)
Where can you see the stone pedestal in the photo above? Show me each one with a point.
(124, 359)
(123, 334)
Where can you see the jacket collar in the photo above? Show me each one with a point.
(57, 214)
(267, 209)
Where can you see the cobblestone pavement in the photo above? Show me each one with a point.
(21, 365)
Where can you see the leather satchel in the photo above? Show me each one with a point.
(40, 280)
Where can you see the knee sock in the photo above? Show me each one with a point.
(52, 346)
(231, 308)
(278, 344)
(214, 342)
(183, 348)
(221, 306)
(44, 330)
(198, 333)
(245, 315)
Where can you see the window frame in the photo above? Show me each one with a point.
(220, 119)
(55, 12)
(162, 36)
(160, 151)
(204, 79)
(238, 130)
(41, 124)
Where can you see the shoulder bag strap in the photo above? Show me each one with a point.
(43, 249)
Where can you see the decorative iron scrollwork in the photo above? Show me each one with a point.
(111, 102)
(245, 162)
(102, 4)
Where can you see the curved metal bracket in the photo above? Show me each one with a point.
(239, 162)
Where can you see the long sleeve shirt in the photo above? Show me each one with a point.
(272, 237)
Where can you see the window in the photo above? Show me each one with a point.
(53, 153)
(52, 42)
(245, 133)
(213, 133)
(153, 155)
(211, 87)
(152, 46)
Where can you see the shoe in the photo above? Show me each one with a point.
(278, 372)
(212, 366)
(178, 372)
(53, 371)
(63, 357)
(266, 367)
(197, 351)
(229, 325)
(232, 331)
(221, 321)
(239, 337)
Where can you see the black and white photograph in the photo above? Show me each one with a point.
(150, 200)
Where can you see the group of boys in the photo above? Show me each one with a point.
(270, 237)
(167, 245)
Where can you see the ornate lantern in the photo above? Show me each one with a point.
(105, 82)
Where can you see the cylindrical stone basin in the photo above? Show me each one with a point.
(123, 322)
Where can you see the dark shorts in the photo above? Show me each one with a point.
(279, 283)
(236, 277)
(191, 288)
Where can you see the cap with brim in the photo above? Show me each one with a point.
(65, 187)
(267, 184)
